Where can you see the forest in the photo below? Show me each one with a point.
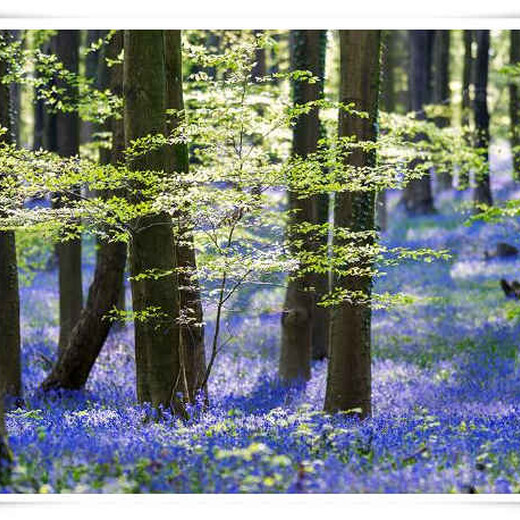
(259, 261)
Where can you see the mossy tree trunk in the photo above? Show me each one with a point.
(67, 128)
(10, 369)
(418, 196)
(349, 370)
(192, 353)
(441, 91)
(299, 309)
(482, 192)
(91, 330)
(514, 104)
(152, 244)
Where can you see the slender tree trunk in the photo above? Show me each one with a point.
(152, 245)
(67, 145)
(260, 67)
(192, 353)
(349, 370)
(89, 335)
(467, 75)
(514, 104)
(482, 192)
(418, 192)
(299, 305)
(441, 91)
(10, 371)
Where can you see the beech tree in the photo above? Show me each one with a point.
(10, 371)
(482, 192)
(92, 327)
(152, 247)
(192, 354)
(299, 314)
(349, 369)
(441, 91)
(6, 457)
(418, 196)
(514, 103)
(66, 128)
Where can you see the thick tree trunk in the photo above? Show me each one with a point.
(514, 105)
(192, 353)
(418, 192)
(89, 335)
(152, 244)
(10, 371)
(6, 458)
(300, 306)
(482, 192)
(441, 91)
(67, 145)
(349, 370)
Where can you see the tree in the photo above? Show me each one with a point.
(418, 192)
(67, 145)
(299, 306)
(91, 330)
(10, 371)
(260, 67)
(192, 354)
(482, 192)
(514, 104)
(6, 457)
(349, 370)
(467, 74)
(152, 247)
(441, 91)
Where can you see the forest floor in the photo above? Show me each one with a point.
(446, 391)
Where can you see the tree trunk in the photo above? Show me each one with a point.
(514, 105)
(299, 306)
(482, 192)
(467, 75)
(349, 370)
(152, 246)
(192, 354)
(89, 335)
(260, 67)
(67, 145)
(10, 371)
(6, 458)
(441, 91)
(418, 192)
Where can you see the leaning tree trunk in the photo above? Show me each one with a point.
(514, 105)
(299, 306)
(10, 371)
(418, 192)
(192, 354)
(67, 145)
(152, 246)
(89, 335)
(441, 91)
(349, 370)
(482, 192)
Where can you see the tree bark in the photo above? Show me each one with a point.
(89, 335)
(10, 369)
(514, 105)
(6, 458)
(192, 353)
(152, 243)
(418, 192)
(482, 192)
(441, 90)
(300, 306)
(467, 76)
(349, 370)
(67, 145)
(260, 67)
